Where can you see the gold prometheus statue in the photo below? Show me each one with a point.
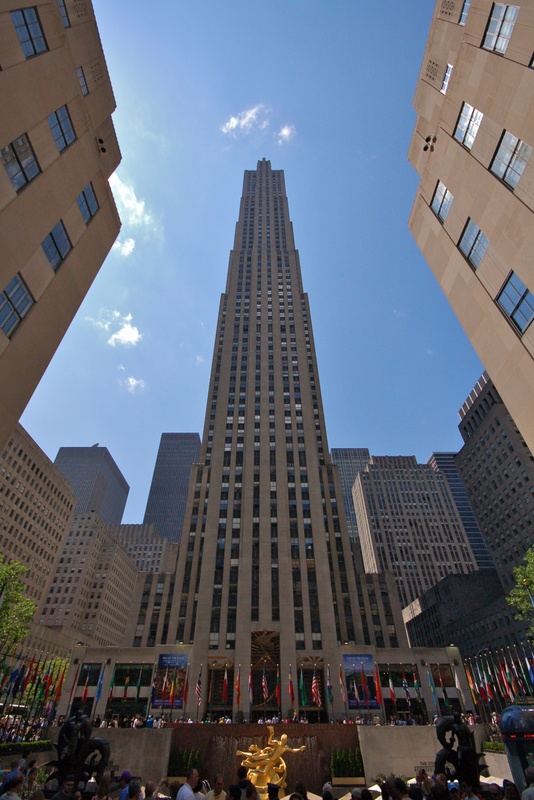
(266, 765)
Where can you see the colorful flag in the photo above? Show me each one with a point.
(225, 686)
(238, 686)
(264, 687)
(378, 688)
(290, 688)
(60, 685)
(99, 686)
(405, 688)
(302, 690)
(85, 688)
(278, 693)
(365, 688)
(172, 691)
(329, 689)
(316, 691)
(74, 682)
(471, 682)
(27, 677)
(432, 687)
(138, 684)
(210, 687)
(250, 693)
(186, 687)
(355, 692)
(416, 686)
(459, 687)
(342, 685)
(164, 688)
(126, 684)
(442, 685)
(198, 687)
(111, 685)
(391, 688)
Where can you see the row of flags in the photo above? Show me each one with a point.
(36, 683)
(501, 676)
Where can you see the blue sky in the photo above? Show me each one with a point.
(322, 88)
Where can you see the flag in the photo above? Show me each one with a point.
(487, 683)
(355, 692)
(198, 687)
(290, 688)
(416, 686)
(74, 682)
(459, 687)
(238, 686)
(60, 685)
(442, 685)
(316, 692)
(250, 693)
(471, 682)
(432, 687)
(225, 687)
(186, 687)
(391, 688)
(126, 684)
(529, 670)
(27, 677)
(278, 693)
(112, 684)
(302, 690)
(164, 688)
(405, 687)
(378, 688)
(172, 691)
(99, 686)
(138, 685)
(329, 689)
(85, 688)
(210, 687)
(365, 688)
(342, 685)
(264, 687)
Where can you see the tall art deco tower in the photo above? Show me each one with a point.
(265, 578)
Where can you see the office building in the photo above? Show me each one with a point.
(349, 461)
(409, 524)
(98, 483)
(446, 464)
(170, 483)
(473, 213)
(58, 219)
(497, 468)
(146, 548)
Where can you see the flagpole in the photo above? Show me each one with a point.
(149, 701)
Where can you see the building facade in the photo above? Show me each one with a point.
(170, 483)
(146, 548)
(349, 461)
(473, 214)
(58, 219)
(446, 464)
(409, 524)
(98, 483)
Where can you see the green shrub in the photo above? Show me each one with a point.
(19, 748)
(493, 747)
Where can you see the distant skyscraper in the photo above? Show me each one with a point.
(98, 483)
(349, 461)
(170, 483)
(58, 219)
(408, 523)
(446, 463)
(473, 215)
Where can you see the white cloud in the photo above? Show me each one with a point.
(134, 384)
(246, 121)
(286, 133)
(124, 248)
(119, 325)
(131, 209)
(199, 360)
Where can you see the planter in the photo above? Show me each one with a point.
(348, 781)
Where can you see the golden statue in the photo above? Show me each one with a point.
(266, 765)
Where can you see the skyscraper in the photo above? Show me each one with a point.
(473, 214)
(58, 219)
(349, 461)
(265, 575)
(170, 483)
(98, 483)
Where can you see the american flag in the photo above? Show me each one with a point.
(316, 694)
(198, 688)
(264, 686)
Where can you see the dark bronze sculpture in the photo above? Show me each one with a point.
(78, 753)
(460, 764)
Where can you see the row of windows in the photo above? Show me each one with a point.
(30, 31)
(500, 25)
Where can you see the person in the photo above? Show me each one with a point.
(356, 794)
(102, 792)
(495, 791)
(23, 763)
(243, 781)
(252, 793)
(134, 789)
(528, 793)
(234, 792)
(124, 782)
(511, 792)
(12, 785)
(187, 792)
(217, 793)
(366, 795)
(67, 789)
(30, 785)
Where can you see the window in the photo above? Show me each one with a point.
(473, 243)
(500, 27)
(510, 159)
(19, 162)
(517, 302)
(61, 128)
(441, 202)
(446, 79)
(29, 31)
(15, 302)
(63, 13)
(468, 125)
(88, 203)
(465, 10)
(56, 245)
(83, 82)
